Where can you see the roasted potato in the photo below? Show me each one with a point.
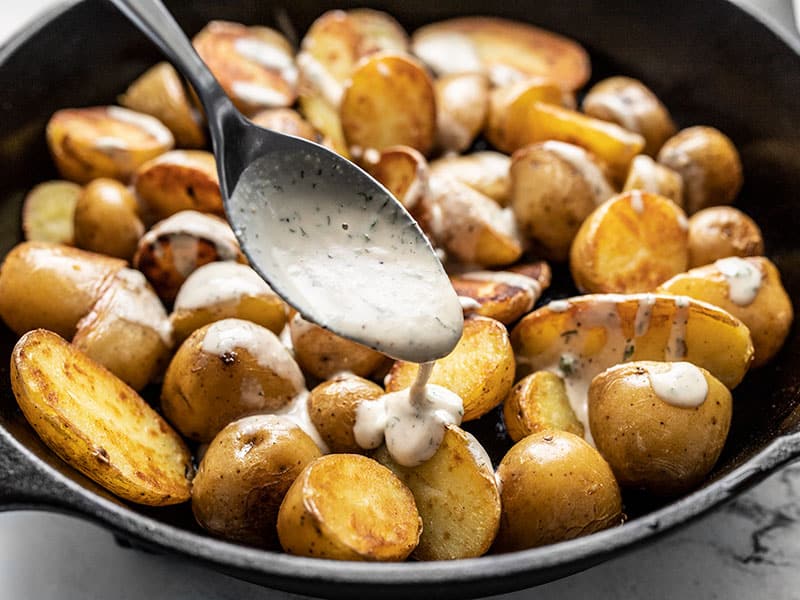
(501, 295)
(507, 51)
(173, 248)
(48, 212)
(104, 141)
(456, 495)
(486, 172)
(96, 423)
(404, 172)
(244, 475)
(52, 286)
(539, 402)
(287, 120)
(661, 426)
(631, 243)
(748, 288)
(554, 487)
(224, 371)
(462, 105)
(127, 330)
(324, 117)
(333, 406)
(160, 92)
(631, 104)
(647, 175)
(349, 507)
(709, 164)
(480, 369)
(106, 219)
(221, 290)
(176, 181)
(721, 231)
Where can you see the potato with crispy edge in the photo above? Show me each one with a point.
(480, 369)
(160, 92)
(456, 495)
(104, 141)
(97, 424)
(224, 371)
(651, 443)
(462, 105)
(349, 507)
(486, 172)
(333, 405)
(106, 219)
(287, 120)
(244, 475)
(501, 295)
(647, 175)
(404, 172)
(33, 274)
(631, 243)
(324, 117)
(48, 212)
(554, 487)
(721, 231)
(766, 310)
(537, 403)
(127, 330)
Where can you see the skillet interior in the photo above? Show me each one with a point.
(710, 63)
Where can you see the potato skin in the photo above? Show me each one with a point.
(107, 220)
(647, 175)
(244, 475)
(537, 403)
(720, 231)
(554, 487)
(349, 507)
(462, 105)
(652, 445)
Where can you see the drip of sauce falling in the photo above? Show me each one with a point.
(743, 277)
(680, 384)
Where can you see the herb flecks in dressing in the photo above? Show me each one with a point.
(743, 277)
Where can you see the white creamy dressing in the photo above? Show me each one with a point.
(623, 109)
(744, 279)
(559, 306)
(110, 143)
(260, 95)
(136, 302)
(504, 75)
(529, 285)
(150, 125)
(297, 412)
(580, 160)
(680, 384)
(316, 73)
(448, 52)
(268, 56)
(646, 170)
(643, 314)
(469, 304)
(219, 282)
(637, 201)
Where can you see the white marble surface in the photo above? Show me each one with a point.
(747, 549)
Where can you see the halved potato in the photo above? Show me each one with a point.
(97, 424)
(388, 101)
(456, 495)
(104, 141)
(631, 243)
(501, 295)
(507, 51)
(647, 175)
(721, 231)
(404, 172)
(324, 117)
(160, 92)
(106, 219)
(462, 105)
(539, 402)
(349, 507)
(486, 172)
(480, 369)
(287, 120)
(48, 212)
(254, 65)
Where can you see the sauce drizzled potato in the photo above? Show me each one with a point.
(287, 120)
(501, 295)
(486, 172)
(403, 171)
(722, 231)
(106, 219)
(539, 402)
(462, 105)
(647, 175)
(48, 212)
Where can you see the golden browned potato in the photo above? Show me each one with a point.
(709, 164)
(661, 426)
(244, 475)
(462, 105)
(554, 487)
(486, 172)
(107, 220)
(176, 181)
(721, 231)
(554, 187)
(631, 104)
(501, 295)
(287, 120)
(404, 172)
(323, 354)
(97, 424)
(52, 286)
(48, 212)
(324, 117)
(631, 243)
(748, 288)
(160, 92)
(507, 51)
(388, 101)
(647, 175)
(173, 248)
(480, 369)
(127, 330)
(537, 403)
(349, 507)
(456, 495)
(104, 141)
(225, 289)
(226, 370)
(333, 405)
(254, 65)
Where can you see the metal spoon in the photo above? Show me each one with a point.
(327, 237)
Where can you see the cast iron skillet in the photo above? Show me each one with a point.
(711, 62)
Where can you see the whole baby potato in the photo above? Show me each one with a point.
(720, 231)
(554, 487)
(107, 219)
(245, 474)
(651, 443)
